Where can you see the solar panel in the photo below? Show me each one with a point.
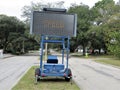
(60, 24)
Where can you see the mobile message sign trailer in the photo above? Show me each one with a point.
(58, 27)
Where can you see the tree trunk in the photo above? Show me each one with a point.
(84, 50)
(99, 50)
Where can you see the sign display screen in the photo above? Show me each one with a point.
(60, 24)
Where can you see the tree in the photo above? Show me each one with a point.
(14, 37)
(96, 39)
(9, 25)
(105, 10)
(83, 24)
(113, 36)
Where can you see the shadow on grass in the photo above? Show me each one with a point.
(53, 80)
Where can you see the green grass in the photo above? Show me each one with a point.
(27, 83)
(91, 56)
(115, 62)
(106, 59)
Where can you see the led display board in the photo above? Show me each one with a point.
(60, 24)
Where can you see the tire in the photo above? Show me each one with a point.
(69, 75)
(67, 79)
(37, 71)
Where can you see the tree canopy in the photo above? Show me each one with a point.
(83, 24)
(9, 27)
(97, 27)
(13, 35)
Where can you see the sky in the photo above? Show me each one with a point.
(14, 7)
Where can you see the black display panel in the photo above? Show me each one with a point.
(59, 24)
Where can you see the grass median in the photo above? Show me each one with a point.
(27, 83)
(111, 61)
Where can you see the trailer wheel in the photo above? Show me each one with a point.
(37, 74)
(67, 79)
(69, 75)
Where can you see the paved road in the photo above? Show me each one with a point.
(87, 74)
(13, 68)
(90, 75)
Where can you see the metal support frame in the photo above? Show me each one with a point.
(63, 51)
(39, 26)
(65, 47)
(41, 53)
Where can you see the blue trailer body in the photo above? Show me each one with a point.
(58, 26)
(52, 67)
(52, 57)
